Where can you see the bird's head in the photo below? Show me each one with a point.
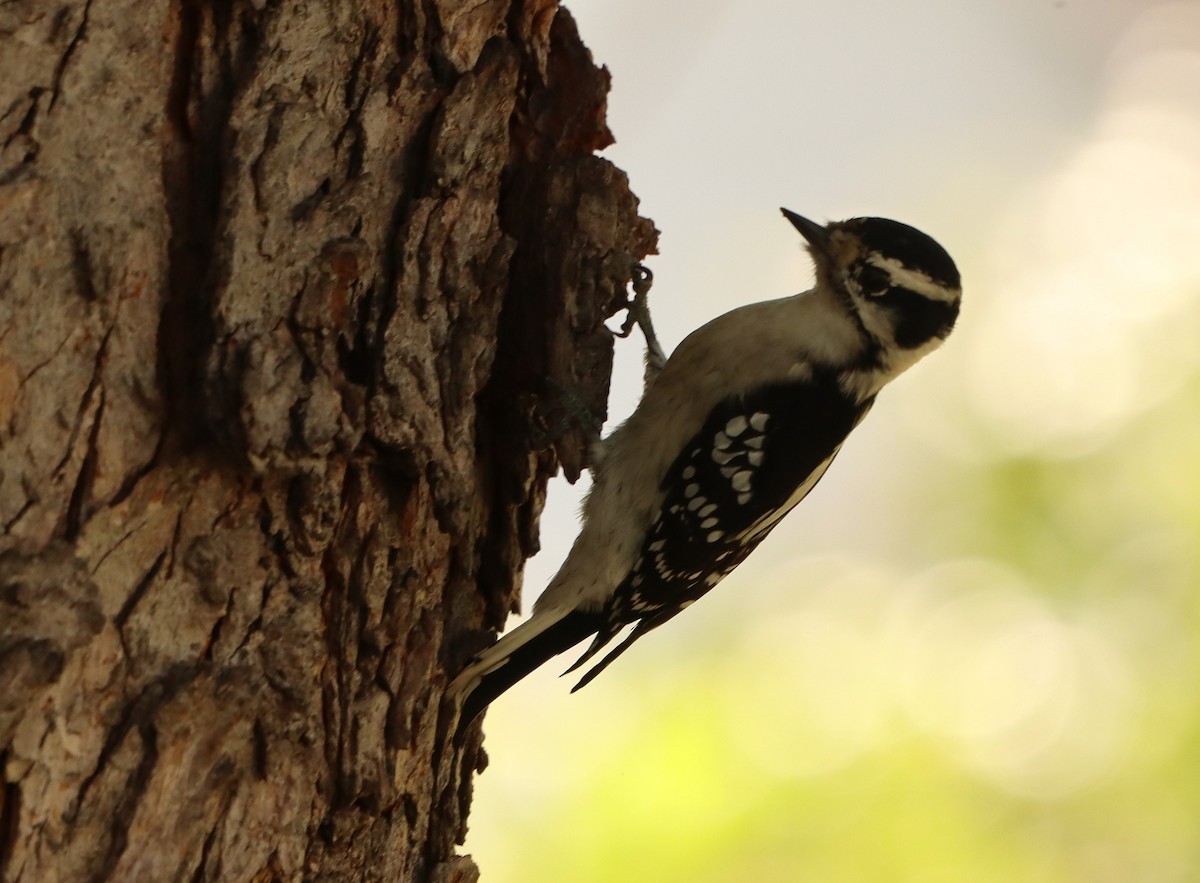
(899, 284)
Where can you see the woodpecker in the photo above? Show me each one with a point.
(735, 429)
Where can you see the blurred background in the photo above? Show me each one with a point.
(973, 653)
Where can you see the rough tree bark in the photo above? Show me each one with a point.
(281, 288)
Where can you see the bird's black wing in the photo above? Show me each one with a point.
(756, 456)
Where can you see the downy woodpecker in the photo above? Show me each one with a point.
(735, 430)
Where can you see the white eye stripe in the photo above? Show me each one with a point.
(914, 280)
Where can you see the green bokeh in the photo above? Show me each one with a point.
(973, 654)
(660, 781)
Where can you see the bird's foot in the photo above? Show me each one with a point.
(639, 315)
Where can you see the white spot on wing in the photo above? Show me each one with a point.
(715, 535)
(755, 458)
(741, 481)
(767, 521)
(691, 490)
(759, 420)
(689, 472)
(721, 440)
(736, 426)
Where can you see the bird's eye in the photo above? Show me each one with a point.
(872, 280)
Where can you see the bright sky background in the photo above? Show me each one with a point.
(1054, 149)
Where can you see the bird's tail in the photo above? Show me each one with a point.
(547, 634)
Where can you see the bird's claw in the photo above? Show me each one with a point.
(639, 315)
(638, 311)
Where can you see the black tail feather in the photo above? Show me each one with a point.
(642, 627)
(603, 636)
(560, 637)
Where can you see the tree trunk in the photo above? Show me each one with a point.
(281, 290)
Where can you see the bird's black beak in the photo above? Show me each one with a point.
(816, 234)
